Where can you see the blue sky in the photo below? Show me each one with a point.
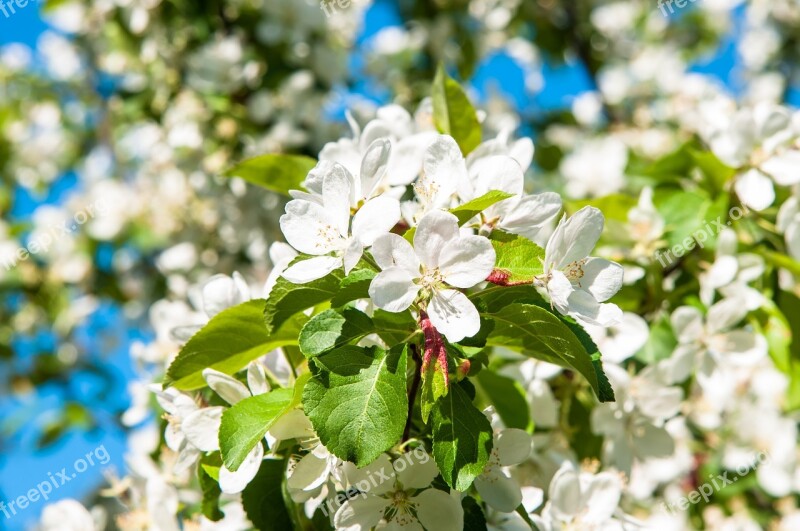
(107, 337)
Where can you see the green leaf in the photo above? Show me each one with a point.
(332, 329)
(394, 328)
(537, 332)
(276, 172)
(474, 519)
(287, 299)
(228, 342)
(358, 401)
(262, 499)
(210, 487)
(470, 209)
(717, 171)
(660, 344)
(462, 438)
(434, 385)
(614, 207)
(690, 214)
(245, 424)
(519, 260)
(353, 287)
(453, 114)
(508, 398)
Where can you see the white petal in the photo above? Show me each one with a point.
(513, 446)
(405, 162)
(311, 269)
(378, 216)
(454, 315)
(466, 261)
(310, 473)
(292, 425)
(303, 224)
(202, 426)
(221, 292)
(235, 482)
(360, 513)
(584, 307)
(391, 250)
(603, 498)
(257, 379)
(602, 278)
(393, 290)
(227, 387)
(377, 478)
(352, 254)
(416, 469)
(438, 510)
(741, 347)
(755, 190)
(434, 230)
(373, 166)
(687, 323)
(566, 498)
(336, 193)
(444, 166)
(574, 238)
(527, 215)
(522, 150)
(725, 314)
(497, 172)
(499, 491)
(532, 498)
(784, 168)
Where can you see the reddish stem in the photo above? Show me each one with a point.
(500, 278)
(434, 346)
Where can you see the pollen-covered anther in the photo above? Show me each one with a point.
(431, 279)
(574, 271)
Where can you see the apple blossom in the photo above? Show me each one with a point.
(440, 261)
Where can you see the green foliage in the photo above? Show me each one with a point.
(470, 209)
(519, 260)
(537, 332)
(508, 398)
(275, 172)
(474, 519)
(287, 299)
(462, 438)
(357, 401)
(434, 386)
(453, 113)
(209, 486)
(228, 342)
(332, 329)
(263, 499)
(245, 424)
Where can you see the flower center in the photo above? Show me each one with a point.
(574, 271)
(431, 279)
(426, 189)
(327, 235)
(401, 508)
